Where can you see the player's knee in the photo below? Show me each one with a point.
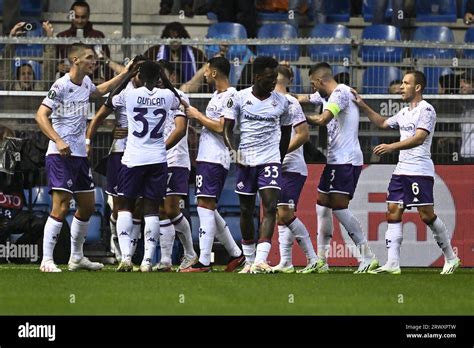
(427, 217)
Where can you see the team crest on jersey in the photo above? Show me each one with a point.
(274, 103)
(230, 103)
(51, 94)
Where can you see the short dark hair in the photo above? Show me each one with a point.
(166, 65)
(75, 48)
(21, 66)
(177, 27)
(149, 71)
(420, 78)
(263, 62)
(221, 64)
(81, 4)
(320, 66)
(285, 71)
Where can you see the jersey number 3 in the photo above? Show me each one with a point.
(140, 117)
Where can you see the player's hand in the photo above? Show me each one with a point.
(17, 29)
(63, 147)
(183, 102)
(192, 112)
(120, 133)
(383, 149)
(357, 99)
(48, 28)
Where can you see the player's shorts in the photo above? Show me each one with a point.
(339, 178)
(291, 187)
(147, 181)
(177, 181)
(251, 179)
(114, 163)
(411, 190)
(210, 179)
(71, 174)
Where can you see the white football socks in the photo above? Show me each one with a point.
(393, 241)
(124, 229)
(224, 236)
(78, 237)
(325, 230)
(207, 231)
(302, 237)
(52, 228)
(441, 235)
(135, 235)
(183, 230)
(151, 235)
(285, 240)
(167, 234)
(249, 248)
(263, 248)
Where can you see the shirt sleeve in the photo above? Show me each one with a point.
(54, 97)
(178, 107)
(231, 107)
(296, 113)
(393, 121)
(338, 101)
(119, 100)
(315, 99)
(427, 119)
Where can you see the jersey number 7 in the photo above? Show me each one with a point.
(140, 117)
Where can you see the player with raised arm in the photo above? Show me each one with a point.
(293, 177)
(67, 166)
(145, 170)
(265, 130)
(115, 103)
(172, 220)
(412, 181)
(213, 162)
(344, 165)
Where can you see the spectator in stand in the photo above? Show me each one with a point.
(237, 11)
(186, 5)
(19, 75)
(80, 28)
(186, 60)
(315, 9)
(469, 14)
(394, 87)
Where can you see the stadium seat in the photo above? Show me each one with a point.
(323, 52)
(462, 9)
(17, 63)
(432, 75)
(227, 30)
(337, 11)
(237, 65)
(272, 16)
(377, 79)
(40, 199)
(280, 31)
(31, 50)
(99, 200)
(434, 34)
(30, 8)
(368, 10)
(469, 38)
(381, 53)
(436, 11)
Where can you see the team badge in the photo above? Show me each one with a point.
(230, 103)
(51, 94)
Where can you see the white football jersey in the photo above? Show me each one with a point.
(178, 155)
(417, 160)
(467, 135)
(343, 129)
(147, 112)
(294, 161)
(120, 111)
(71, 108)
(259, 122)
(211, 145)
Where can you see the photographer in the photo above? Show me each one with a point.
(15, 220)
(19, 74)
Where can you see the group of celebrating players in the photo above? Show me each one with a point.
(149, 166)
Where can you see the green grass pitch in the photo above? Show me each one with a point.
(417, 291)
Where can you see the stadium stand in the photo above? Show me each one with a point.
(438, 34)
(40, 198)
(377, 79)
(469, 38)
(337, 11)
(281, 31)
(31, 50)
(436, 10)
(432, 78)
(368, 7)
(330, 52)
(381, 53)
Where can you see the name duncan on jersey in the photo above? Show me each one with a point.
(151, 101)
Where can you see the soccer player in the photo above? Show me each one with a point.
(172, 221)
(265, 129)
(344, 165)
(293, 177)
(145, 170)
(67, 165)
(412, 181)
(115, 103)
(213, 162)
